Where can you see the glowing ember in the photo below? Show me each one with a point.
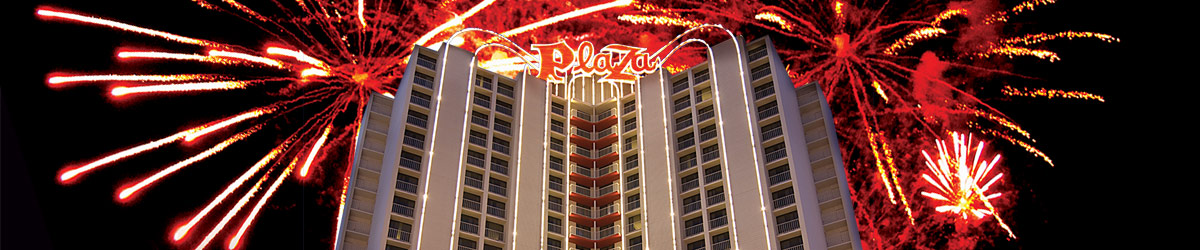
(959, 176)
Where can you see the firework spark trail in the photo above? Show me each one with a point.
(1050, 93)
(173, 56)
(59, 80)
(937, 20)
(1042, 37)
(658, 20)
(300, 56)
(457, 20)
(262, 201)
(1003, 16)
(565, 16)
(913, 37)
(232, 211)
(313, 154)
(122, 26)
(131, 190)
(183, 230)
(1020, 51)
(246, 57)
(187, 135)
(957, 179)
(774, 18)
(179, 87)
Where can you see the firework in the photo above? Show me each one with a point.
(959, 178)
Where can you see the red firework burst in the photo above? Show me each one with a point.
(333, 54)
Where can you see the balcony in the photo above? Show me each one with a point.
(406, 187)
(705, 114)
(716, 198)
(583, 115)
(693, 230)
(788, 226)
(472, 204)
(420, 99)
(414, 142)
(780, 177)
(500, 168)
(402, 209)
(417, 121)
(504, 109)
(505, 90)
(711, 155)
(717, 221)
(495, 211)
(555, 206)
(767, 112)
(679, 125)
(711, 176)
(482, 100)
(426, 61)
(679, 86)
(760, 71)
(468, 227)
(691, 207)
(414, 164)
(423, 80)
(689, 185)
(629, 107)
(783, 201)
(605, 114)
(593, 212)
(776, 154)
(701, 76)
(494, 234)
(472, 182)
(503, 128)
(682, 104)
(478, 162)
(764, 90)
(757, 53)
(498, 189)
(479, 119)
(772, 133)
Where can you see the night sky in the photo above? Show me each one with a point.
(44, 129)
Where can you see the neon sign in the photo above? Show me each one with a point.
(614, 62)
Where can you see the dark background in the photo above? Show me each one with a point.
(1091, 198)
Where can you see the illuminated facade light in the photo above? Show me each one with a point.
(597, 160)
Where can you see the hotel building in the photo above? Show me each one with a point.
(725, 155)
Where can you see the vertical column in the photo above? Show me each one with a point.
(656, 161)
(738, 133)
(438, 208)
(530, 175)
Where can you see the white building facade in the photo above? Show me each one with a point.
(725, 155)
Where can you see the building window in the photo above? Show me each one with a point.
(494, 231)
(711, 153)
(685, 141)
(775, 152)
(555, 183)
(758, 52)
(720, 241)
(500, 145)
(557, 108)
(687, 161)
(553, 244)
(715, 195)
(474, 180)
(631, 161)
(634, 224)
(472, 201)
(502, 126)
(420, 99)
(556, 145)
(505, 89)
(414, 139)
(410, 160)
(406, 183)
(764, 90)
(683, 122)
(483, 100)
(632, 202)
(705, 113)
(693, 226)
(787, 222)
(495, 208)
(556, 126)
(716, 219)
(770, 131)
(629, 106)
(475, 158)
(782, 198)
(483, 82)
(760, 71)
(480, 119)
(691, 204)
(500, 166)
(497, 186)
(403, 206)
(556, 163)
(417, 118)
(712, 174)
(679, 85)
(682, 103)
(703, 94)
(400, 231)
(468, 224)
(630, 123)
(426, 61)
(555, 204)
(554, 224)
(779, 174)
(423, 80)
(466, 244)
(696, 245)
(478, 138)
(689, 182)
(504, 108)
(700, 76)
(491, 247)
(767, 110)
(631, 181)
(793, 243)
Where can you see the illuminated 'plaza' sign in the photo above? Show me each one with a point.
(614, 62)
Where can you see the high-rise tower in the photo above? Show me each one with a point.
(727, 154)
